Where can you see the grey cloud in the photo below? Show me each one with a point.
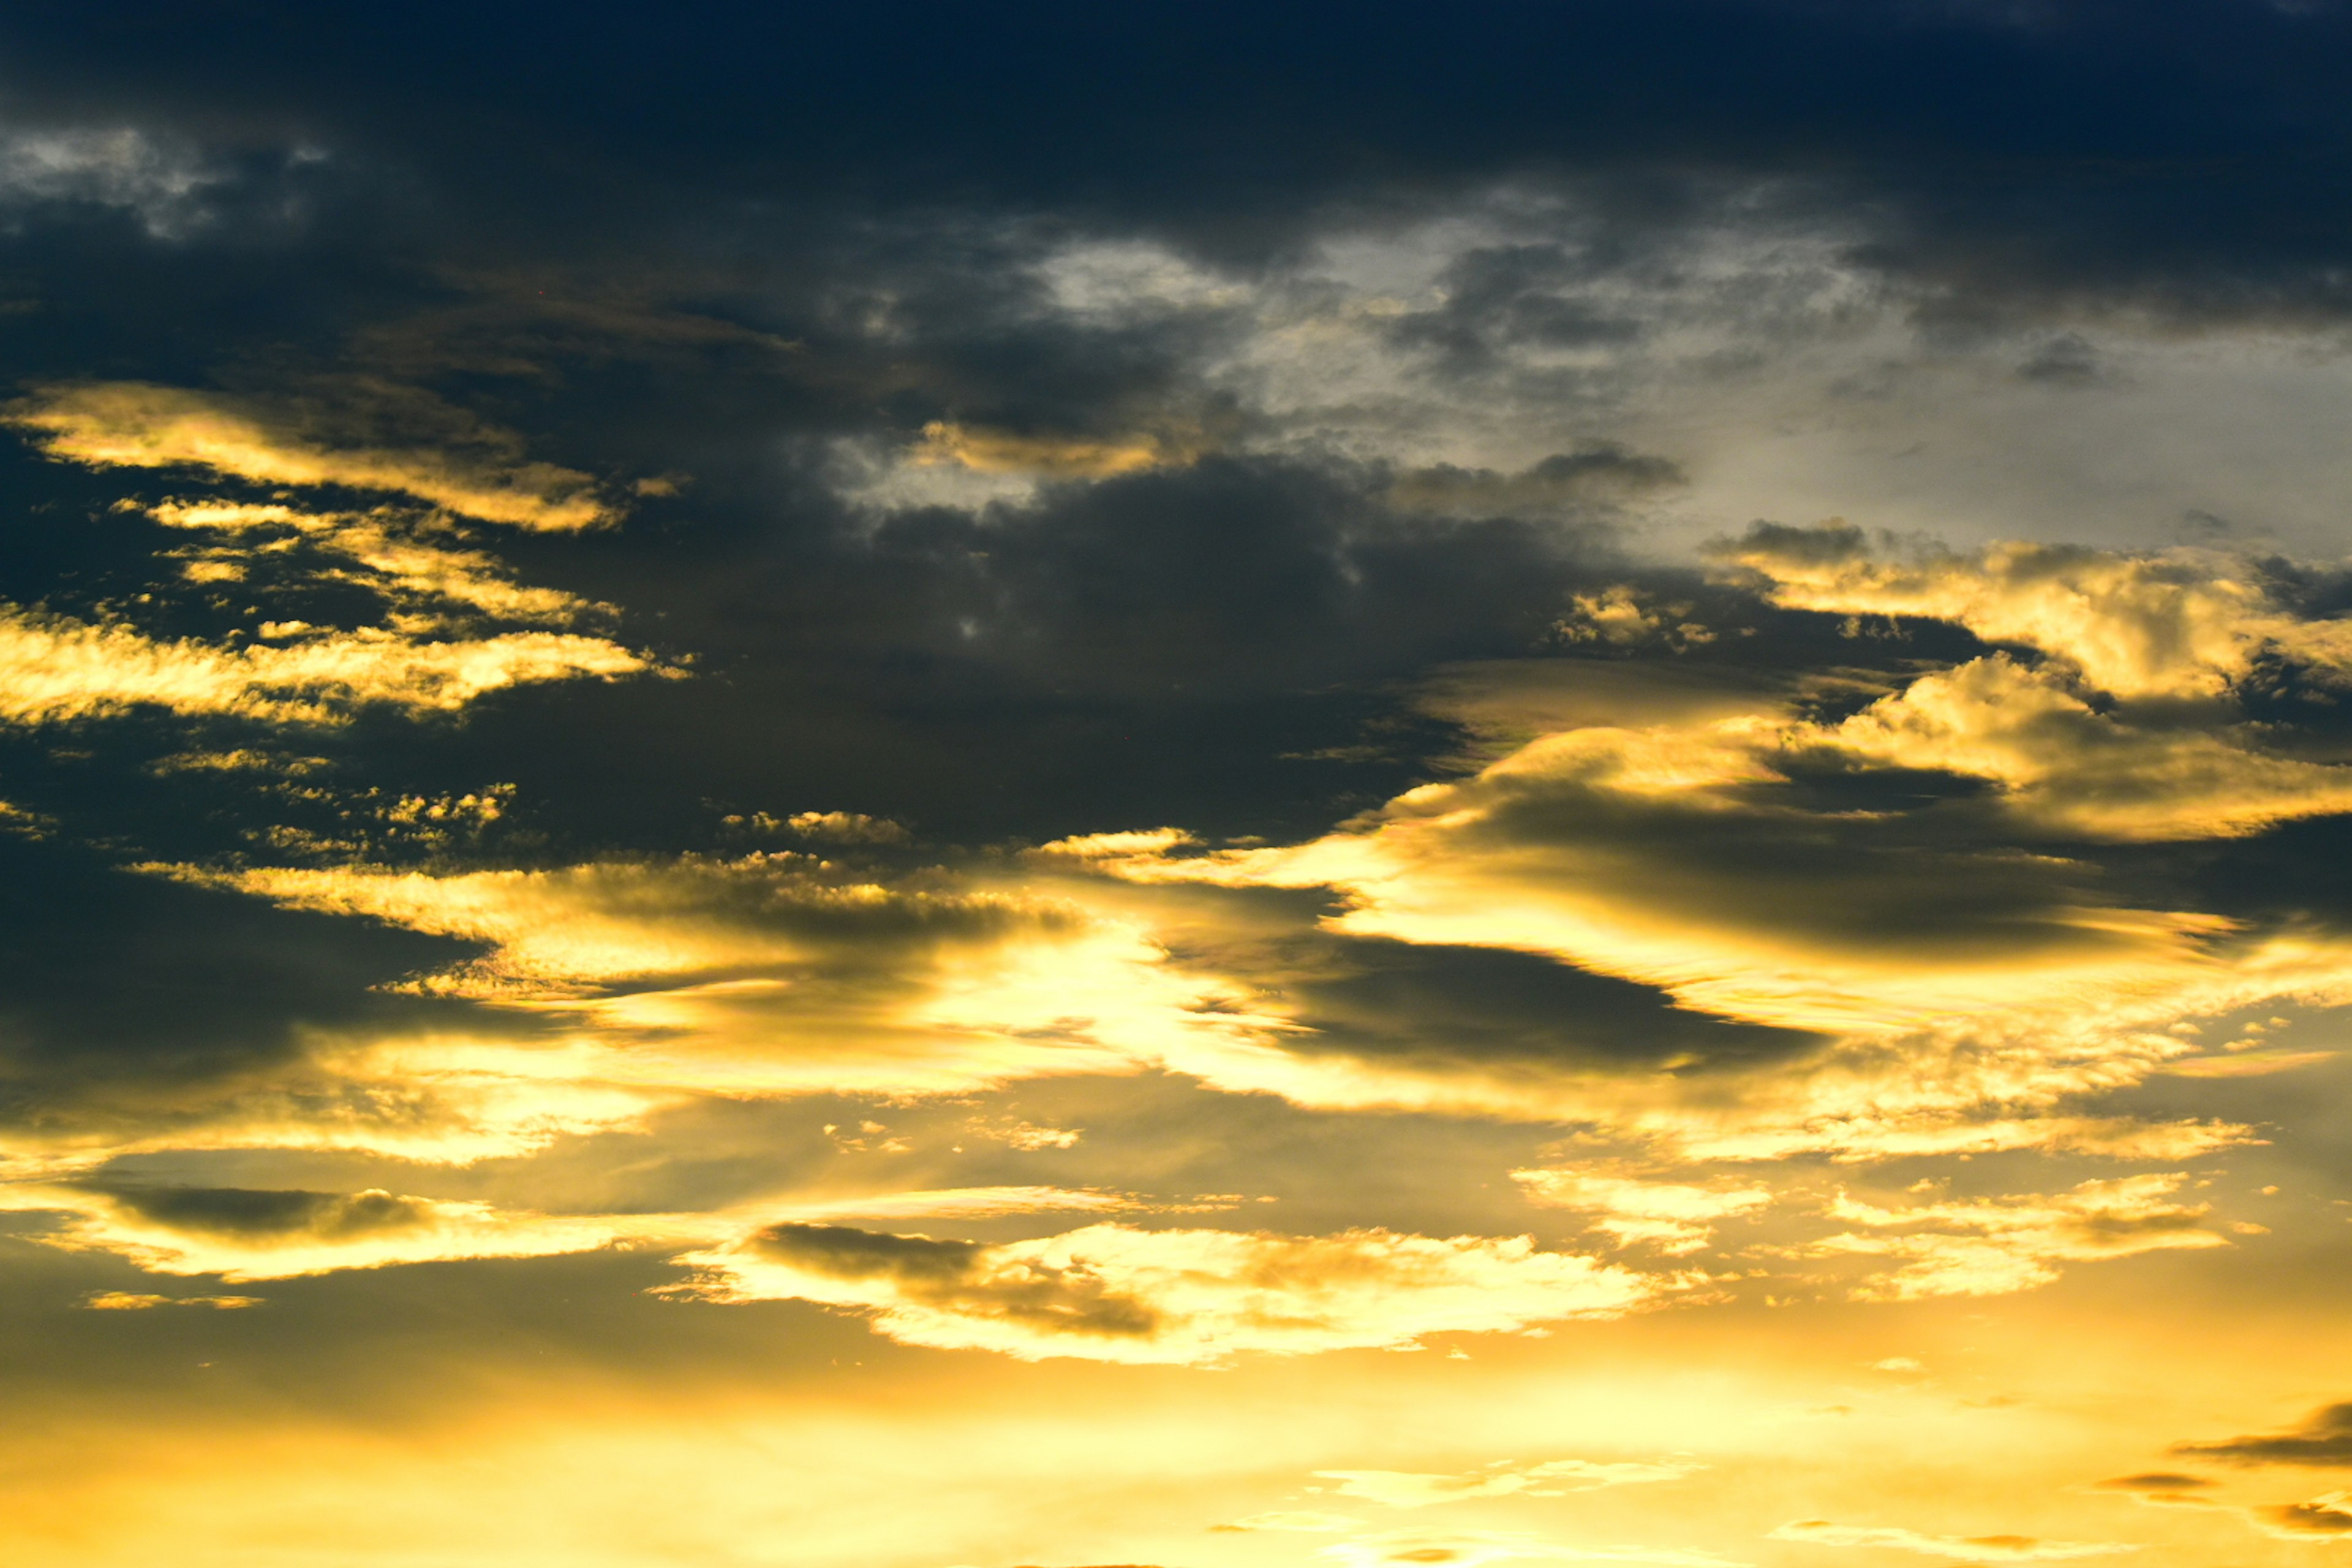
(2325, 1438)
(953, 1276)
(1600, 472)
(248, 1214)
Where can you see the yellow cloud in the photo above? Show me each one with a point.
(133, 1302)
(2063, 766)
(1960, 979)
(1961, 1548)
(776, 973)
(270, 1234)
(1111, 1292)
(1994, 1246)
(55, 669)
(1473, 1548)
(402, 560)
(2172, 624)
(985, 451)
(1550, 1477)
(1672, 1216)
(139, 425)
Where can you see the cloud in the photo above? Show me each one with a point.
(1962, 1548)
(133, 1302)
(1550, 1477)
(781, 972)
(162, 184)
(1674, 1217)
(2325, 1438)
(2327, 1517)
(141, 425)
(1469, 1548)
(1046, 456)
(1994, 1246)
(1601, 472)
(405, 562)
(2170, 623)
(1703, 858)
(54, 668)
(1303, 1523)
(242, 1234)
(1111, 1292)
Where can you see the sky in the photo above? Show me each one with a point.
(1077, 786)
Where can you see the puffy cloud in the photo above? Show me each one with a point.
(2173, 623)
(1993, 1247)
(1673, 1216)
(2063, 766)
(139, 425)
(55, 669)
(2325, 1438)
(1550, 1477)
(1112, 1293)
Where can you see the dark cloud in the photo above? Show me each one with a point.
(247, 1214)
(2326, 1438)
(957, 1277)
(1390, 999)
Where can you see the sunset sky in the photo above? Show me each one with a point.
(1054, 786)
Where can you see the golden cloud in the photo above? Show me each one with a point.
(1675, 1217)
(1112, 1293)
(1550, 1477)
(1994, 1246)
(2171, 624)
(139, 425)
(403, 560)
(1473, 1548)
(1960, 1548)
(985, 451)
(55, 669)
(242, 1234)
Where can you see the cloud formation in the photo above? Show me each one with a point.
(1960, 1548)
(55, 669)
(1549, 1477)
(1112, 1293)
(1993, 1247)
(142, 425)
(2324, 1439)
